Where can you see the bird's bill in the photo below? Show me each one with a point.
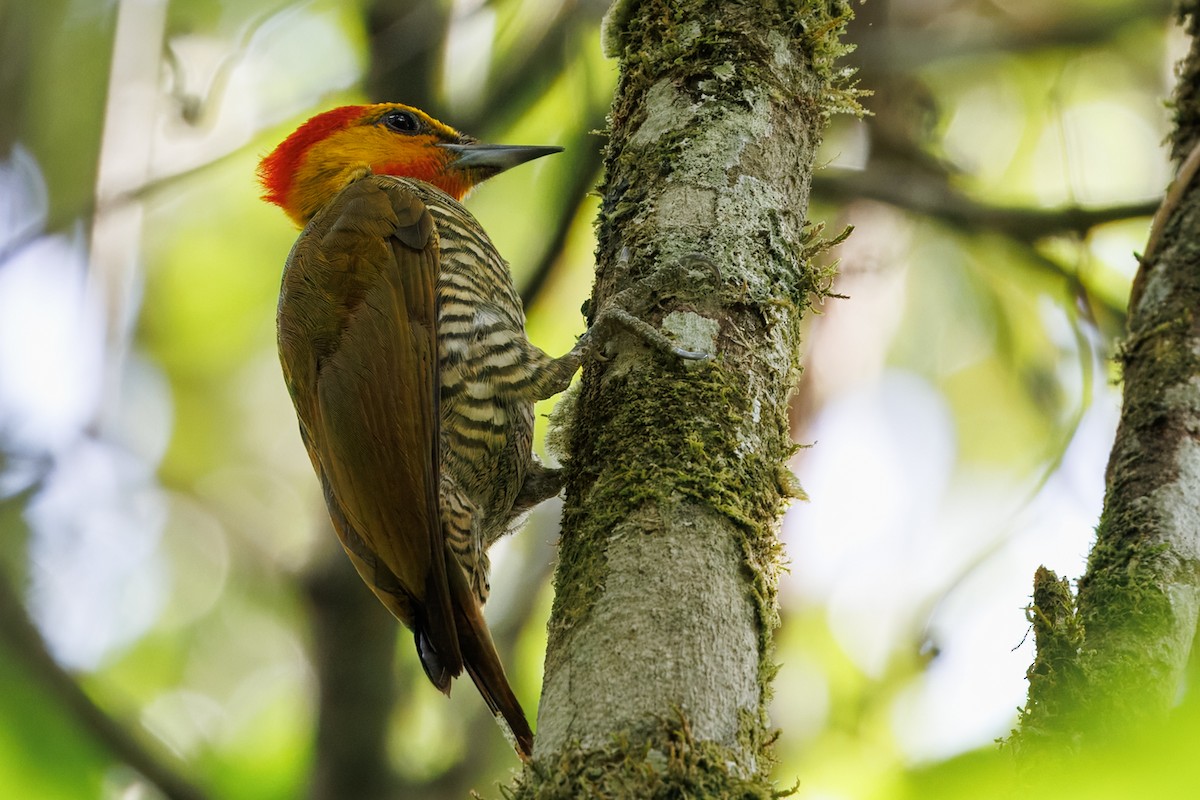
(494, 158)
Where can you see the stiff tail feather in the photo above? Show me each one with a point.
(483, 662)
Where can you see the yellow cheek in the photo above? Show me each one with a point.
(348, 154)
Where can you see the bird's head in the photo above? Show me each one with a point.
(332, 149)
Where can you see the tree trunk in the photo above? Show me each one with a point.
(1114, 657)
(660, 644)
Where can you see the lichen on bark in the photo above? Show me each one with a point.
(660, 650)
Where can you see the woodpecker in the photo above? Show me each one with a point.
(403, 346)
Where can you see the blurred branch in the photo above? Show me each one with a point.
(353, 649)
(924, 194)
(194, 108)
(406, 39)
(905, 49)
(583, 180)
(26, 642)
(932, 196)
(16, 42)
(35, 230)
(196, 105)
(525, 73)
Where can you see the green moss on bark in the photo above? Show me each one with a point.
(1054, 675)
(714, 130)
(670, 765)
(1121, 663)
(676, 432)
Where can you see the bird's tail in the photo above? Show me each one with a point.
(483, 662)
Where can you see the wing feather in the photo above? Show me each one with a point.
(358, 341)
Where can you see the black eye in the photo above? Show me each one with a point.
(401, 121)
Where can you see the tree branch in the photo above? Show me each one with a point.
(909, 49)
(1139, 600)
(921, 193)
(660, 644)
(523, 75)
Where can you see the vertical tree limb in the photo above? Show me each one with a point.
(1139, 599)
(353, 646)
(660, 645)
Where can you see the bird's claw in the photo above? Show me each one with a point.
(692, 271)
(613, 316)
(690, 355)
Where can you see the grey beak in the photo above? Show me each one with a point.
(495, 157)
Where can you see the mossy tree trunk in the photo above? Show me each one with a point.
(660, 645)
(1114, 657)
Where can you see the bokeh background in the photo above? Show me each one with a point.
(159, 520)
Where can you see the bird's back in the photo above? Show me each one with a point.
(486, 424)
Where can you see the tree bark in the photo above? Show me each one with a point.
(659, 657)
(1115, 658)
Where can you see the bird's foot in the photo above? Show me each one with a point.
(613, 317)
(622, 311)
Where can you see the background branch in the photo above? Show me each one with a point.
(919, 192)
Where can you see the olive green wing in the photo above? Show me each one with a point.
(357, 328)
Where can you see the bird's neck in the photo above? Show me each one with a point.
(346, 156)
